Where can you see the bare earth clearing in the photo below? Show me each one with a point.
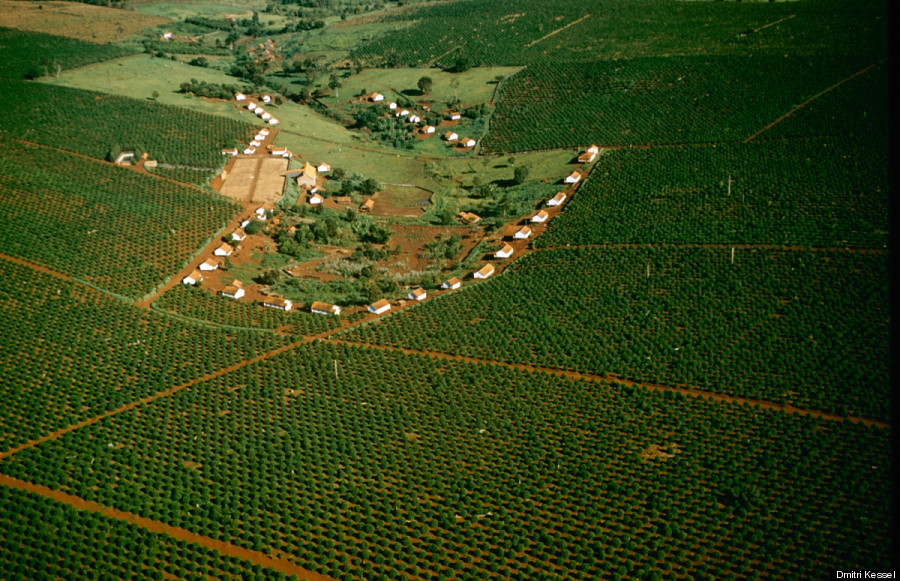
(75, 20)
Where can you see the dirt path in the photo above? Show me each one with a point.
(37, 267)
(811, 99)
(764, 26)
(254, 557)
(691, 391)
(557, 31)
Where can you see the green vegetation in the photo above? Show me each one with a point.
(101, 125)
(115, 228)
(403, 465)
(72, 353)
(759, 327)
(30, 55)
(811, 192)
(99, 547)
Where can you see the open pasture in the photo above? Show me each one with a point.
(97, 24)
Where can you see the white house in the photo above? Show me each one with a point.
(428, 129)
(321, 308)
(467, 142)
(266, 116)
(255, 144)
(224, 250)
(451, 284)
(316, 199)
(266, 99)
(167, 36)
(587, 157)
(392, 105)
(453, 116)
(238, 235)
(523, 233)
(209, 265)
(402, 113)
(450, 136)
(251, 106)
(259, 137)
(540, 217)
(504, 252)
(574, 177)
(323, 167)
(193, 278)
(231, 152)
(250, 151)
(379, 307)
(240, 97)
(273, 121)
(280, 151)
(557, 199)
(234, 290)
(413, 119)
(418, 294)
(263, 131)
(484, 272)
(277, 303)
(376, 97)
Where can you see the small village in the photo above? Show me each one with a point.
(242, 179)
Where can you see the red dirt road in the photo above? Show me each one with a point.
(255, 557)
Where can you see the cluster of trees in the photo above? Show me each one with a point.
(211, 90)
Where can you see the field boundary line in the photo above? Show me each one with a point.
(38, 267)
(718, 246)
(155, 526)
(546, 36)
(811, 99)
(610, 378)
(150, 398)
(764, 26)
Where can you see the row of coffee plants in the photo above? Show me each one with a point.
(760, 327)
(201, 304)
(370, 464)
(492, 32)
(30, 55)
(113, 227)
(186, 175)
(43, 539)
(102, 126)
(656, 100)
(816, 192)
(70, 353)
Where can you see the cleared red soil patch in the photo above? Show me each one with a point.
(255, 557)
(412, 240)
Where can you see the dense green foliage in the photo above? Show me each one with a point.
(120, 230)
(695, 99)
(98, 547)
(69, 353)
(26, 54)
(761, 327)
(401, 465)
(96, 124)
(817, 192)
(201, 304)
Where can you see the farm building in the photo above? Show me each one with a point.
(280, 151)
(557, 199)
(587, 157)
(261, 213)
(255, 143)
(540, 217)
(453, 116)
(484, 272)
(574, 177)
(316, 199)
(250, 151)
(392, 105)
(367, 205)
(343, 200)
(418, 294)
(278, 303)
(238, 234)
(259, 137)
(323, 168)
(523, 233)
(428, 129)
(266, 116)
(224, 250)
(263, 131)
(401, 113)
(209, 265)
(376, 97)
(379, 307)
(273, 121)
(251, 106)
(240, 97)
(467, 142)
(504, 252)
(469, 217)
(321, 308)
(413, 119)
(234, 290)
(451, 284)
(231, 152)
(307, 177)
(193, 278)
(266, 99)
(450, 136)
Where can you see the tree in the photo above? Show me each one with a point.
(425, 84)
(521, 174)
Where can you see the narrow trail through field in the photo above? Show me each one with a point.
(37, 267)
(254, 557)
(557, 31)
(780, 20)
(811, 99)
(691, 391)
